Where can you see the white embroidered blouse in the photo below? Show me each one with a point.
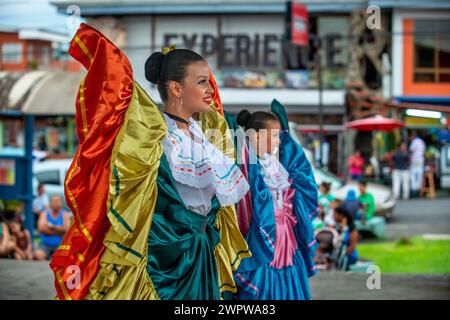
(276, 178)
(200, 170)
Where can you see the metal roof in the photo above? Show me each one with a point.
(140, 7)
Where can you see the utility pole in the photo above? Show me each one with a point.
(320, 91)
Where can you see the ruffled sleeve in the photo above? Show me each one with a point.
(131, 203)
(232, 248)
(110, 186)
(306, 208)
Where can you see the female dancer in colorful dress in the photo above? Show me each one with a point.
(153, 198)
(276, 219)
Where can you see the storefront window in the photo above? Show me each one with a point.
(12, 52)
(11, 136)
(431, 51)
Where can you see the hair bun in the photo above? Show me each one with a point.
(153, 67)
(243, 117)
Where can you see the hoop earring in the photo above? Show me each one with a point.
(181, 105)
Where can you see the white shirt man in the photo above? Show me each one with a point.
(417, 149)
(41, 202)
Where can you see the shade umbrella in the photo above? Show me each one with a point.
(376, 123)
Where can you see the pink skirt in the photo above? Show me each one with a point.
(285, 242)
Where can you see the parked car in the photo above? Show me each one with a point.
(384, 197)
(52, 174)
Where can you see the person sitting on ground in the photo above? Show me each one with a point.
(6, 242)
(368, 202)
(40, 203)
(325, 199)
(352, 205)
(349, 234)
(53, 223)
(329, 220)
(23, 249)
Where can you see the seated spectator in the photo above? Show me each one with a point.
(6, 241)
(349, 234)
(23, 248)
(53, 223)
(329, 219)
(325, 199)
(352, 205)
(367, 201)
(40, 203)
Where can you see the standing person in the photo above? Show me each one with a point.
(356, 165)
(367, 201)
(417, 149)
(53, 224)
(283, 204)
(42, 144)
(162, 221)
(349, 235)
(400, 174)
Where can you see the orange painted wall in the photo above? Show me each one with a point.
(409, 86)
(9, 37)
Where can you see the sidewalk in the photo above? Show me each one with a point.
(34, 280)
(418, 217)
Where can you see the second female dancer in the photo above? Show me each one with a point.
(276, 215)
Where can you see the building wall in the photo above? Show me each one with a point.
(28, 52)
(403, 55)
(11, 38)
(145, 34)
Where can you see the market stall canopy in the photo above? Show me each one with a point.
(377, 123)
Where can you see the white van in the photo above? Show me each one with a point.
(52, 174)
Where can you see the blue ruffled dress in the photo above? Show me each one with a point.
(256, 278)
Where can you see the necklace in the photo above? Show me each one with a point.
(178, 119)
(186, 122)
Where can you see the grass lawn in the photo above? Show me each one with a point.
(414, 255)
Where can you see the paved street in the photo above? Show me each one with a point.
(34, 280)
(418, 217)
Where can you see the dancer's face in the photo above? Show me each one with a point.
(269, 139)
(194, 93)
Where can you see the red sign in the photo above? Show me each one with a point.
(299, 24)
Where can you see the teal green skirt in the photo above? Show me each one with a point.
(181, 245)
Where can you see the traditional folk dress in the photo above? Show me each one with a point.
(154, 209)
(275, 218)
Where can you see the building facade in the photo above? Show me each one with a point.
(245, 44)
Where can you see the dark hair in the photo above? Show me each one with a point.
(160, 68)
(326, 185)
(257, 120)
(342, 211)
(363, 183)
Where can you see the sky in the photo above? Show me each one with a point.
(33, 14)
